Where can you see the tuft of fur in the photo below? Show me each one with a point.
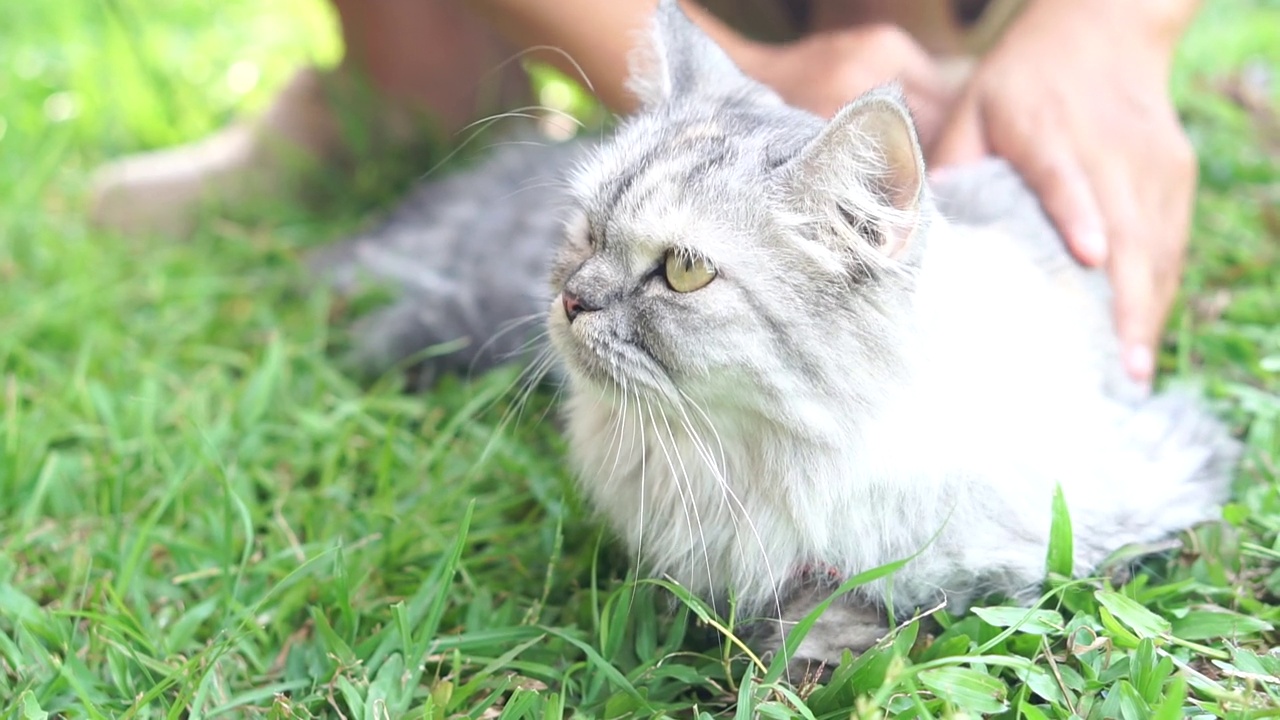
(879, 369)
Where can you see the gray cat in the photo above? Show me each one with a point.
(790, 360)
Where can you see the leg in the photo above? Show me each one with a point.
(409, 64)
(850, 623)
(430, 54)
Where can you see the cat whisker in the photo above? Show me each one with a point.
(508, 115)
(526, 112)
(545, 362)
(707, 419)
(582, 74)
(680, 490)
(480, 126)
(553, 181)
(619, 421)
(528, 379)
(727, 493)
(644, 471)
(504, 329)
(555, 396)
(693, 498)
(732, 518)
(516, 322)
(521, 380)
(519, 190)
(527, 346)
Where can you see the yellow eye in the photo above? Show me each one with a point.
(686, 273)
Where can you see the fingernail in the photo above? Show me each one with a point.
(1094, 245)
(1140, 363)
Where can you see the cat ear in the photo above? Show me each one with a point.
(867, 166)
(678, 60)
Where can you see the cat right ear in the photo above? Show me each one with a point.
(677, 60)
(866, 166)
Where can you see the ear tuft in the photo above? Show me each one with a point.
(867, 164)
(678, 60)
(887, 125)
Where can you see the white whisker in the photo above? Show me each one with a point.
(693, 498)
(503, 329)
(644, 473)
(727, 492)
(551, 48)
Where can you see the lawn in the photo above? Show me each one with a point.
(202, 514)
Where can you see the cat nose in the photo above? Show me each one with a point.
(574, 305)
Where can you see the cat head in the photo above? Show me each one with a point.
(730, 248)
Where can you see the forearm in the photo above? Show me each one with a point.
(1162, 22)
(591, 40)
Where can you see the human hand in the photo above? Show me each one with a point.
(1075, 97)
(825, 71)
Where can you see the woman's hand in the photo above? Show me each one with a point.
(823, 72)
(1075, 96)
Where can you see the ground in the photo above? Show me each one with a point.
(202, 514)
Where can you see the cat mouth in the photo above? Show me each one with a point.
(592, 354)
(582, 351)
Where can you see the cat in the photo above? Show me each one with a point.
(789, 358)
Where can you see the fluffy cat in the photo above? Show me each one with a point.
(785, 352)
(781, 355)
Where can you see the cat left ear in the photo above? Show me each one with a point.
(868, 165)
(678, 60)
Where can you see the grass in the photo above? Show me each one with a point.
(201, 515)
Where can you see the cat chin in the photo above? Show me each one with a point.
(584, 366)
(585, 357)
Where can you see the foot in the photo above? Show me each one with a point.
(163, 192)
(850, 623)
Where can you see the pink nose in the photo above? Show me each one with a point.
(573, 306)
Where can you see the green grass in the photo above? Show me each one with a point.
(201, 514)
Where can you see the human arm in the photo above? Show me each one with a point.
(591, 41)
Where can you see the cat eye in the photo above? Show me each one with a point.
(686, 273)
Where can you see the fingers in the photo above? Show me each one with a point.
(1150, 236)
(1148, 221)
(1070, 198)
(1138, 313)
(1130, 255)
(1066, 192)
(1099, 218)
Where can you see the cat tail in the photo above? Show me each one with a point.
(1180, 476)
(454, 278)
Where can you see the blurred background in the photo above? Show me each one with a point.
(83, 81)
